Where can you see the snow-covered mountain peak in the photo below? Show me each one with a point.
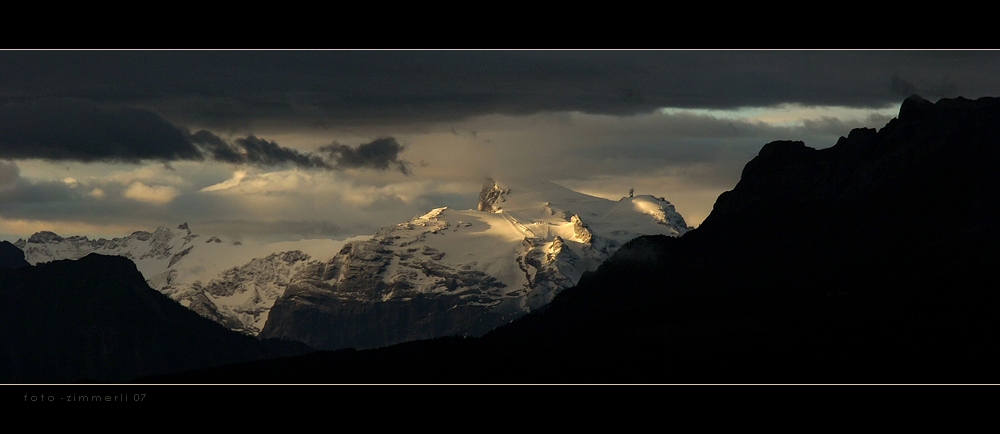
(523, 243)
(146, 249)
(41, 238)
(541, 207)
(521, 196)
(490, 195)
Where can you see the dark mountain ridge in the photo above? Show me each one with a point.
(11, 256)
(877, 265)
(96, 320)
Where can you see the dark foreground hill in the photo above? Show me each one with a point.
(878, 265)
(11, 256)
(96, 320)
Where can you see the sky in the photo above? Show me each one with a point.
(272, 145)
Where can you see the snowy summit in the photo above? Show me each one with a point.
(471, 270)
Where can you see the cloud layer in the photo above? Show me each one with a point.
(337, 143)
(267, 89)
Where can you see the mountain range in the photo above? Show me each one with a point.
(869, 261)
(447, 272)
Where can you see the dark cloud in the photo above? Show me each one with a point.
(382, 154)
(260, 152)
(254, 151)
(221, 89)
(81, 130)
(219, 149)
(73, 129)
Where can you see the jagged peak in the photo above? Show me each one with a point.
(916, 99)
(914, 107)
(433, 214)
(783, 146)
(491, 193)
(141, 235)
(44, 237)
(162, 229)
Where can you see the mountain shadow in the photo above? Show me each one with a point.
(871, 261)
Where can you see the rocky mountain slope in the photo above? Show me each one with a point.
(454, 272)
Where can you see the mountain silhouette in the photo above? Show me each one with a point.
(96, 320)
(11, 256)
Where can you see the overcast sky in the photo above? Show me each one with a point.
(273, 145)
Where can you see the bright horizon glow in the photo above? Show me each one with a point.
(787, 115)
(12, 229)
